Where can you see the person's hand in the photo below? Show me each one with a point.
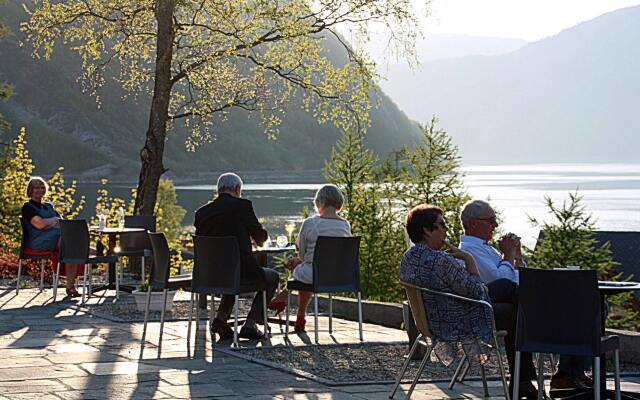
(510, 247)
(469, 261)
(292, 263)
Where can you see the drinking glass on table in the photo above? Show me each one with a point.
(290, 227)
(281, 241)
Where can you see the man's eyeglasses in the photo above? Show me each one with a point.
(491, 220)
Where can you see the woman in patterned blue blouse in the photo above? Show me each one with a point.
(454, 271)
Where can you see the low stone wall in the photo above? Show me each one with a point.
(629, 345)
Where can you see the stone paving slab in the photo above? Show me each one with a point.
(58, 351)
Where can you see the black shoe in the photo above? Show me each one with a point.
(526, 390)
(222, 329)
(251, 333)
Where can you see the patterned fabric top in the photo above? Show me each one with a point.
(452, 321)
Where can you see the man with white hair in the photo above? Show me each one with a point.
(231, 215)
(499, 270)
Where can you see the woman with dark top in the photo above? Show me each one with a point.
(43, 228)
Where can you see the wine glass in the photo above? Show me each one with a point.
(290, 227)
(282, 241)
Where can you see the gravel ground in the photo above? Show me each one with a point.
(367, 362)
(125, 310)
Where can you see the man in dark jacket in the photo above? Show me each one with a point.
(231, 215)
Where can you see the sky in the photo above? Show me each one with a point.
(528, 20)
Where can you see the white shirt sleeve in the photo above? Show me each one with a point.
(490, 264)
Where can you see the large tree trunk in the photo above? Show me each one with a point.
(152, 153)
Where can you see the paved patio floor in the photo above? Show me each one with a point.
(56, 351)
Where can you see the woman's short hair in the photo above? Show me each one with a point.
(471, 210)
(328, 196)
(421, 216)
(36, 181)
(228, 182)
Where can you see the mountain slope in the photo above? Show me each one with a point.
(571, 97)
(66, 127)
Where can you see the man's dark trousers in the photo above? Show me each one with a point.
(504, 298)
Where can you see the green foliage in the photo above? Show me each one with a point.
(5, 89)
(569, 240)
(16, 172)
(13, 188)
(431, 174)
(169, 214)
(379, 194)
(352, 168)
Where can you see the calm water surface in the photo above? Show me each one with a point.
(611, 192)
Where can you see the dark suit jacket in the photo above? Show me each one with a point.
(232, 216)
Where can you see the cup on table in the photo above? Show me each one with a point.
(282, 241)
(573, 267)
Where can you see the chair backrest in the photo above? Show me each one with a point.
(25, 237)
(559, 312)
(336, 264)
(216, 267)
(160, 270)
(147, 222)
(414, 295)
(137, 240)
(74, 243)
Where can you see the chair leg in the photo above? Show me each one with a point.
(18, 278)
(315, 315)
(146, 319)
(360, 315)
(419, 373)
(596, 378)
(42, 275)
(553, 364)
(286, 315)
(164, 305)
(142, 270)
(118, 280)
(503, 376)
(84, 283)
(235, 322)
(330, 313)
(189, 325)
(55, 282)
(484, 382)
(403, 370)
(465, 370)
(90, 280)
(515, 379)
(211, 308)
(541, 376)
(267, 334)
(616, 366)
(457, 371)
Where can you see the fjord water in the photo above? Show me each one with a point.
(611, 193)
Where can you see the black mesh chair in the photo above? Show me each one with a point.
(336, 269)
(160, 279)
(216, 269)
(559, 312)
(137, 244)
(74, 249)
(28, 254)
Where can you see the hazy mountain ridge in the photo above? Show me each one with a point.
(65, 126)
(570, 97)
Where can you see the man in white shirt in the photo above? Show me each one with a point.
(499, 271)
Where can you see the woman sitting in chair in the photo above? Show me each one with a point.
(43, 227)
(452, 271)
(327, 222)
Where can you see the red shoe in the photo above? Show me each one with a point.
(300, 323)
(73, 293)
(279, 302)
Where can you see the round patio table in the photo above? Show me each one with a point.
(112, 233)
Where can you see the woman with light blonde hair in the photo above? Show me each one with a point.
(43, 228)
